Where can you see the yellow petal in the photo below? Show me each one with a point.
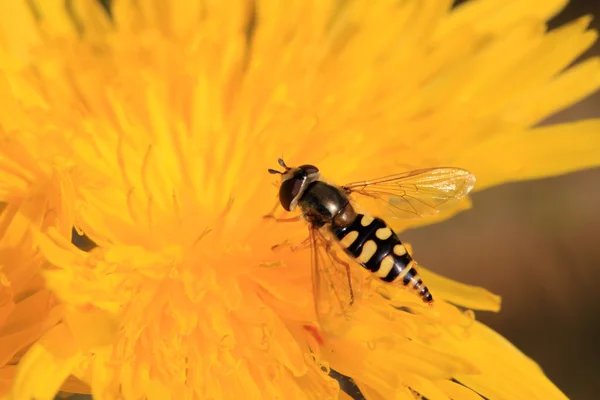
(27, 309)
(473, 297)
(500, 362)
(457, 391)
(29, 320)
(497, 15)
(573, 85)
(55, 18)
(7, 377)
(92, 327)
(93, 18)
(18, 32)
(545, 151)
(46, 365)
(74, 385)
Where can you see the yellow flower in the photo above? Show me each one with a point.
(162, 125)
(27, 308)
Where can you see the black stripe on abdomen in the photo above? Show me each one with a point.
(364, 229)
(364, 233)
(377, 248)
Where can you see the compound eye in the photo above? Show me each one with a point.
(288, 191)
(309, 169)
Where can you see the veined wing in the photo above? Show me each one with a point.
(336, 288)
(415, 194)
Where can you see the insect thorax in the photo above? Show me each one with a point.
(326, 204)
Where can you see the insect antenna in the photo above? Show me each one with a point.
(282, 163)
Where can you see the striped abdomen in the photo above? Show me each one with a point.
(377, 248)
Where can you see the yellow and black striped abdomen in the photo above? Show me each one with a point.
(377, 248)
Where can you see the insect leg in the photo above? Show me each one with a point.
(334, 255)
(302, 245)
(271, 215)
(292, 219)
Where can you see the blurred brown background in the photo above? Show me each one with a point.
(537, 244)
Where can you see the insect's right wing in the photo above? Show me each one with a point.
(337, 284)
(413, 194)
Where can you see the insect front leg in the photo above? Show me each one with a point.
(302, 245)
(292, 219)
(271, 215)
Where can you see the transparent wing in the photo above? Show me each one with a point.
(414, 194)
(336, 288)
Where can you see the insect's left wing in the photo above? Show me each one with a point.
(414, 194)
(336, 288)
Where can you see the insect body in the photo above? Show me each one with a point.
(377, 248)
(367, 240)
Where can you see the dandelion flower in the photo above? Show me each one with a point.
(27, 308)
(164, 119)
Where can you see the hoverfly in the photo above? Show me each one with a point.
(366, 240)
